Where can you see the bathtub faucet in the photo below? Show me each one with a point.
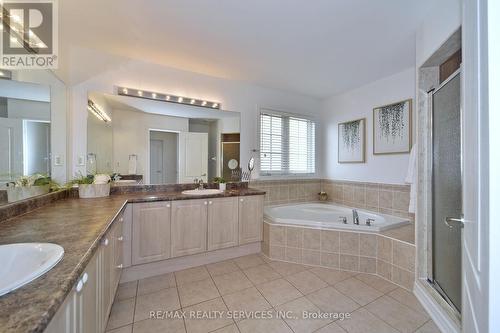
(355, 217)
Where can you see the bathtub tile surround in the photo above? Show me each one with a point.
(383, 198)
(390, 258)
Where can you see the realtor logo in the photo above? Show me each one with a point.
(28, 34)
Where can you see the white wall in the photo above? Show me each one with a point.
(441, 22)
(359, 103)
(131, 136)
(233, 95)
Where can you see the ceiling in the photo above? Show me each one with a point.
(318, 48)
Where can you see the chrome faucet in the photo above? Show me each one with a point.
(355, 216)
(200, 184)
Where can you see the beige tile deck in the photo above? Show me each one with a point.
(256, 284)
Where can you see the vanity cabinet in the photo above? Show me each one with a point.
(86, 308)
(150, 231)
(251, 211)
(189, 227)
(222, 223)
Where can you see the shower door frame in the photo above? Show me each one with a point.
(430, 267)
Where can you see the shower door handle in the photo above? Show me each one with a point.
(453, 222)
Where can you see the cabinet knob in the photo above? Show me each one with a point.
(105, 242)
(79, 286)
(241, 200)
(120, 266)
(120, 238)
(121, 219)
(205, 203)
(210, 202)
(168, 205)
(85, 278)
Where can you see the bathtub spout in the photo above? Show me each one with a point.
(355, 217)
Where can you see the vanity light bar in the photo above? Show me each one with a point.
(123, 91)
(96, 111)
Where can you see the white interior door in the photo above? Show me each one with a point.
(475, 252)
(11, 149)
(156, 162)
(193, 156)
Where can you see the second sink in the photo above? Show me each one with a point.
(207, 191)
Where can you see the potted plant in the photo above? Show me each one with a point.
(92, 186)
(222, 183)
(29, 186)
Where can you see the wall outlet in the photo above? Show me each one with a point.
(81, 160)
(58, 160)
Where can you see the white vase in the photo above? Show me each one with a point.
(25, 192)
(222, 186)
(86, 191)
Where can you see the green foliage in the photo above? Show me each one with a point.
(219, 180)
(81, 180)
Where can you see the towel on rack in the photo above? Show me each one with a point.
(411, 178)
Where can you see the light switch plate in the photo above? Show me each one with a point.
(81, 160)
(58, 160)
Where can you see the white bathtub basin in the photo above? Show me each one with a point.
(331, 216)
(21, 263)
(207, 191)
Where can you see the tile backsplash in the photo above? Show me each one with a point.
(384, 198)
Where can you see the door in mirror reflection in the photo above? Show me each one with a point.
(163, 157)
(193, 157)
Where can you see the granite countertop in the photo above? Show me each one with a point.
(78, 225)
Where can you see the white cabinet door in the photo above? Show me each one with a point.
(150, 232)
(87, 299)
(222, 223)
(64, 320)
(189, 227)
(251, 215)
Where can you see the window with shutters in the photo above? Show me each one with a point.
(287, 144)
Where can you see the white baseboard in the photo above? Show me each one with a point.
(138, 272)
(439, 315)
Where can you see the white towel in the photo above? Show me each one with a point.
(411, 178)
(132, 164)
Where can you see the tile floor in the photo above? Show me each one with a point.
(254, 283)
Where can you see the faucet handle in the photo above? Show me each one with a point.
(369, 221)
(343, 219)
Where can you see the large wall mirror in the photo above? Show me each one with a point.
(26, 133)
(155, 142)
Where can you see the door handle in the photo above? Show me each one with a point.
(453, 222)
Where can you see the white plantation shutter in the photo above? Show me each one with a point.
(287, 144)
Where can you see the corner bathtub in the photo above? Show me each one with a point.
(329, 216)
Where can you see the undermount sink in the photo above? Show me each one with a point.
(125, 181)
(207, 191)
(24, 262)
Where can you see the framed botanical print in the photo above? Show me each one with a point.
(351, 141)
(392, 128)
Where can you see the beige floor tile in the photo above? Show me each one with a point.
(260, 274)
(278, 291)
(228, 329)
(197, 292)
(159, 326)
(246, 300)
(331, 276)
(248, 261)
(306, 282)
(299, 323)
(428, 327)
(231, 282)
(265, 258)
(122, 313)
(162, 300)
(199, 325)
(155, 283)
(331, 300)
(126, 290)
(274, 325)
(407, 298)
(362, 321)
(286, 268)
(331, 328)
(377, 282)
(191, 275)
(358, 291)
(124, 329)
(222, 267)
(396, 314)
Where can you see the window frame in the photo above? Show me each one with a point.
(285, 152)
